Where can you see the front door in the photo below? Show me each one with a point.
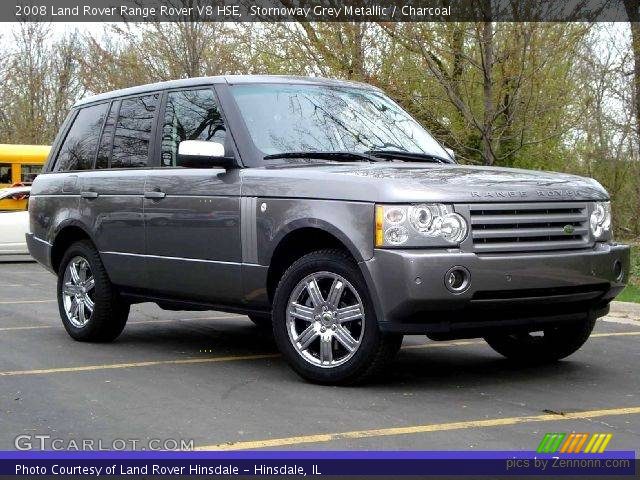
(192, 215)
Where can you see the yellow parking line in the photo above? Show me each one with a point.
(457, 343)
(229, 358)
(614, 334)
(114, 366)
(33, 327)
(417, 429)
(15, 302)
(140, 322)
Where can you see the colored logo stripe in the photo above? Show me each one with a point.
(550, 442)
(598, 442)
(574, 443)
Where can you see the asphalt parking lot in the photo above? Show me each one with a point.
(216, 379)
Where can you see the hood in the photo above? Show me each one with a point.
(418, 182)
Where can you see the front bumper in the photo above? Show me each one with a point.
(506, 291)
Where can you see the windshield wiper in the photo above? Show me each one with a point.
(408, 156)
(327, 155)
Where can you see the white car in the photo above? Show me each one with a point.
(13, 225)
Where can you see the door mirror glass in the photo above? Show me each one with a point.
(203, 154)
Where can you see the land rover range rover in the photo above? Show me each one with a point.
(321, 209)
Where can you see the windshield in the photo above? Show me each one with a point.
(312, 118)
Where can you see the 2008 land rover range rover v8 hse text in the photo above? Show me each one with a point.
(323, 209)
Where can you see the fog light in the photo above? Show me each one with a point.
(617, 270)
(457, 279)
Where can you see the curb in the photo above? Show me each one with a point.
(625, 308)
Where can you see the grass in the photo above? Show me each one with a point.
(632, 292)
(629, 294)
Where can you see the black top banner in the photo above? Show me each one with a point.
(315, 10)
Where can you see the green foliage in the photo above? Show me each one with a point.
(546, 96)
(632, 292)
(635, 266)
(629, 294)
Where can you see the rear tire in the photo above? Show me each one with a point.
(324, 322)
(90, 307)
(554, 344)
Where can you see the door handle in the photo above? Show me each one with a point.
(89, 195)
(154, 194)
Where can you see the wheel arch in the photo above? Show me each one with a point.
(299, 238)
(66, 234)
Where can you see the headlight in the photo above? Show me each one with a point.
(600, 221)
(420, 225)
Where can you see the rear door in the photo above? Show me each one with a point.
(111, 194)
(193, 215)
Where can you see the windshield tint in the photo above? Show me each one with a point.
(308, 118)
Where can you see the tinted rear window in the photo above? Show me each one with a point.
(78, 150)
(133, 132)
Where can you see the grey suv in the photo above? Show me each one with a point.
(323, 209)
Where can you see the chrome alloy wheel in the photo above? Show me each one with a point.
(77, 292)
(325, 319)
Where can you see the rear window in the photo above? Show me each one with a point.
(133, 132)
(78, 150)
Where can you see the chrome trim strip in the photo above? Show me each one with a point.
(40, 240)
(179, 258)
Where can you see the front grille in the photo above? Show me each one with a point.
(528, 227)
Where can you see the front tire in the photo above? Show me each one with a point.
(90, 307)
(552, 345)
(324, 322)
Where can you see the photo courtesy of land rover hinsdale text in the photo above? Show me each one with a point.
(323, 211)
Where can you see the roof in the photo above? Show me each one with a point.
(228, 79)
(32, 154)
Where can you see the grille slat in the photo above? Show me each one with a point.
(526, 232)
(529, 227)
(518, 218)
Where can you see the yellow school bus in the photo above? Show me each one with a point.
(19, 165)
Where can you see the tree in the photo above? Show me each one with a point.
(507, 83)
(40, 83)
(603, 143)
(632, 8)
(134, 54)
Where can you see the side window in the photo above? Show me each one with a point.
(133, 132)
(104, 150)
(190, 115)
(5, 173)
(28, 173)
(79, 147)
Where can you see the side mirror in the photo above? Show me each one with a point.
(203, 154)
(451, 153)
